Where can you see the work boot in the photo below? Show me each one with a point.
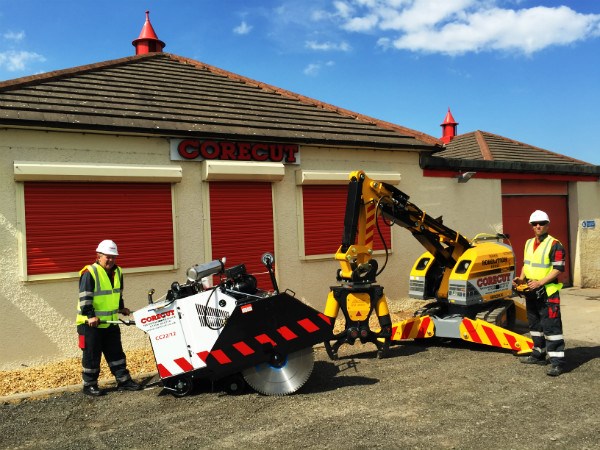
(533, 360)
(554, 371)
(93, 390)
(129, 385)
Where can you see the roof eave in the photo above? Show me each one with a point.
(435, 162)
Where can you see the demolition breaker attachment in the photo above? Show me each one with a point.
(232, 333)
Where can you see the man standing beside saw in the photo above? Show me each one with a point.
(101, 300)
(543, 262)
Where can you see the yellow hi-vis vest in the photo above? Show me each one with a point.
(537, 264)
(106, 297)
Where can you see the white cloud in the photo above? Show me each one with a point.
(14, 61)
(365, 23)
(313, 69)
(328, 46)
(343, 9)
(462, 26)
(14, 36)
(422, 13)
(242, 28)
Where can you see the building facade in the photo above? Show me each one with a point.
(181, 163)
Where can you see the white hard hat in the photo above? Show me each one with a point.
(539, 216)
(107, 247)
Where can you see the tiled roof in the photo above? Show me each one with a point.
(488, 152)
(167, 95)
(481, 145)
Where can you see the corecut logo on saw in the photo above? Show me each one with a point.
(157, 316)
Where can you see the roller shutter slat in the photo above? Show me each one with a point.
(241, 217)
(324, 210)
(515, 220)
(65, 221)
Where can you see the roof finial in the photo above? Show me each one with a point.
(147, 41)
(448, 128)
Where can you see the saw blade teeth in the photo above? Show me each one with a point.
(286, 379)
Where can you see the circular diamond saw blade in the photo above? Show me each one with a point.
(281, 377)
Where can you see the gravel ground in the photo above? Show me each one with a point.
(440, 395)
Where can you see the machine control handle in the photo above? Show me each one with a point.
(268, 259)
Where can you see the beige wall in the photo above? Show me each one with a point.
(37, 323)
(584, 205)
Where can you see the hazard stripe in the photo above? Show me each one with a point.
(264, 339)
(369, 235)
(184, 364)
(423, 328)
(308, 325)
(162, 371)
(370, 213)
(243, 348)
(492, 336)
(220, 356)
(287, 334)
(407, 329)
(325, 318)
(370, 220)
(202, 356)
(472, 333)
(511, 341)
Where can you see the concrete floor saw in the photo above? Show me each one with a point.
(232, 333)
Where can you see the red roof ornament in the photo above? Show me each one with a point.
(148, 41)
(448, 128)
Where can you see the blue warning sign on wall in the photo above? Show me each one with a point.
(588, 224)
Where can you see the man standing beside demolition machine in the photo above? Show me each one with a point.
(101, 301)
(543, 261)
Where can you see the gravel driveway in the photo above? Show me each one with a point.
(442, 395)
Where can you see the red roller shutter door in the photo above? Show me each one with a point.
(65, 222)
(241, 223)
(515, 219)
(324, 210)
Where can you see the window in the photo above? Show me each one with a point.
(64, 223)
(63, 219)
(241, 225)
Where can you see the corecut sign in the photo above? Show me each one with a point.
(200, 150)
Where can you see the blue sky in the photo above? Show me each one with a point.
(525, 69)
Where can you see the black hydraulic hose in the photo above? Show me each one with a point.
(385, 247)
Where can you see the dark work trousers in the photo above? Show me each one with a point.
(95, 342)
(545, 326)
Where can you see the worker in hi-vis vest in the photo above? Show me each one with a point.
(543, 262)
(100, 301)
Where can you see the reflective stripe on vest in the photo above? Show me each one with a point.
(537, 264)
(106, 297)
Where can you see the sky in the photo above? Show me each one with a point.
(528, 70)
